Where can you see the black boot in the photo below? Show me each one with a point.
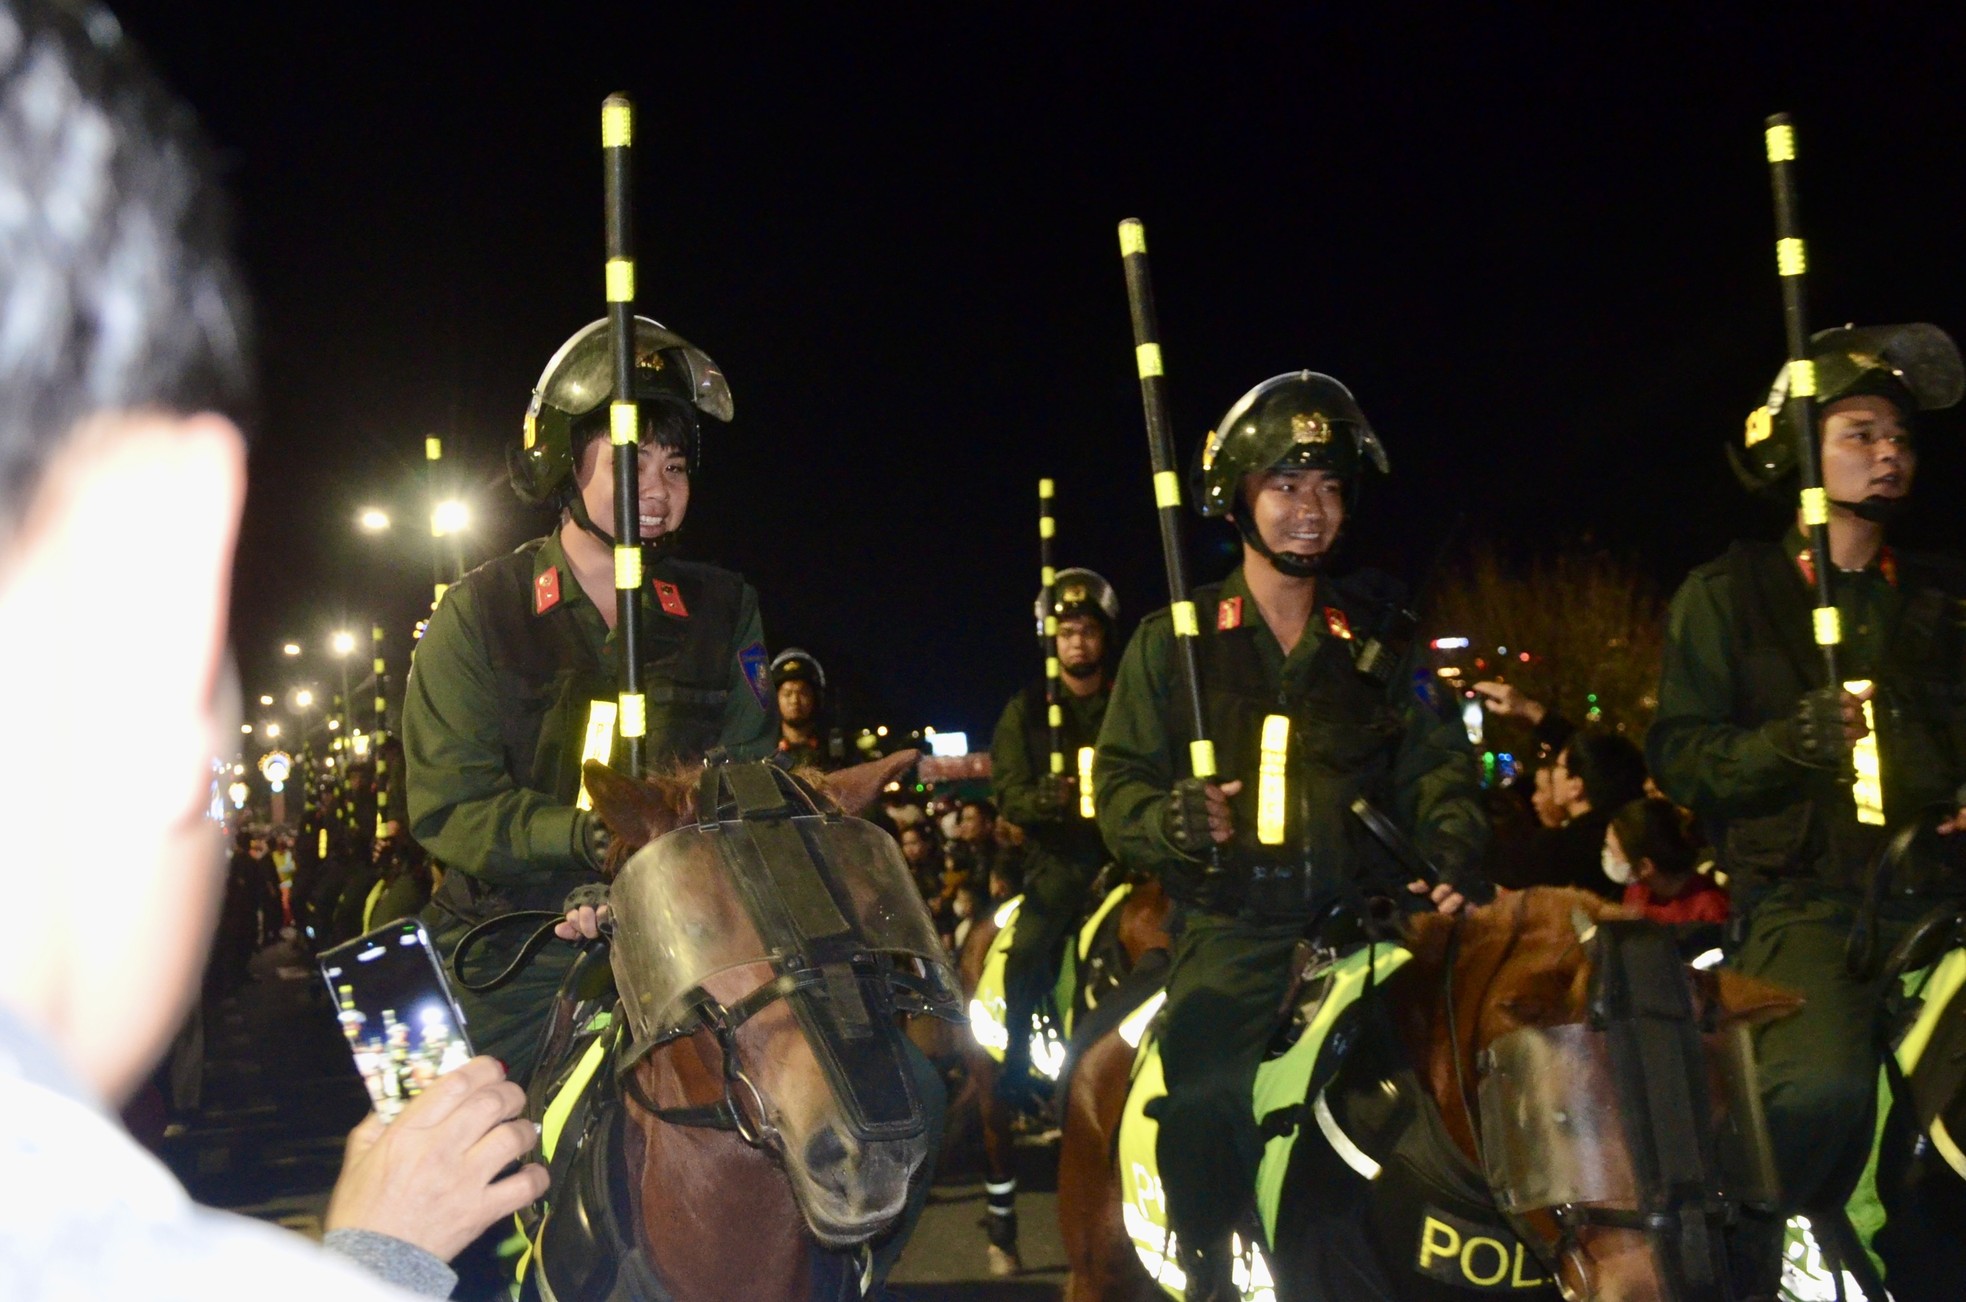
(1210, 1271)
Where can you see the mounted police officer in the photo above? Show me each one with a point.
(799, 684)
(1062, 849)
(503, 692)
(1279, 636)
(1752, 739)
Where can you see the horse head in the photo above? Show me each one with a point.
(772, 955)
(1603, 1085)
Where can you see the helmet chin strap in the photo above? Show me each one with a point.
(1287, 563)
(577, 509)
(1877, 510)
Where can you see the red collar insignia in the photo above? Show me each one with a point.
(1228, 613)
(546, 590)
(670, 599)
(1334, 619)
(1887, 565)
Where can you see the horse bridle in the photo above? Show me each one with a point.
(1678, 1172)
(763, 800)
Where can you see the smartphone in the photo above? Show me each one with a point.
(396, 1011)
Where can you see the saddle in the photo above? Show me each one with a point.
(1360, 1194)
(1094, 962)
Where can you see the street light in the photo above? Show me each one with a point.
(448, 518)
(246, 728)
(302, 699)
(291, 649)
(266, 700)
(272, 730)
(342, 643)
(373, 519)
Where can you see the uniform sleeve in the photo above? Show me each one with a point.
(1698, 755)
(750, 729)
(1438, 784)
(1133, 765)
(1012, 778)
(465, 808)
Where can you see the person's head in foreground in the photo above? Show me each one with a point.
(123, 347)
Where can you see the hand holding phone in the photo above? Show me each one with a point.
(434, 1178)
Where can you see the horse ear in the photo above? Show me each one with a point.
(1746, 999)
(854, 789)
(636, 812)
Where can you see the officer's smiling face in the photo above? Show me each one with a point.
(1296, 511)
(1867, 450)
(664, 484)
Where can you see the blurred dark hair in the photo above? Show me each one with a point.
(1611, 768)
(117, 289)
(1651, 828)
(989, 810)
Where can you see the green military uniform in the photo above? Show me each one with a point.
(1738, 655)
(1349, 736)
(493, 725)
(1733, 740)
(1062, 849)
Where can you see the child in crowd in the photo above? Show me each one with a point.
(1648, 851)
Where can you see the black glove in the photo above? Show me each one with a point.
(1813, 734)
(1184, 818)
(591, 840)
(1054, 796)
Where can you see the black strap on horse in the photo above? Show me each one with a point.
(1860, 954)
(544, 922)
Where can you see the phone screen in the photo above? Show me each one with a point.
(396, 1011)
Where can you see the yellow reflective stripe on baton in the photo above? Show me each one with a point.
(617, 125)
(634, 714)
(624, 424)
(1201, 758)
(1829, 628)
(1051, 626)
(1048, 576)
(1781, 143)
(1051, 666)
(628, 568)
(1045, 489)
(433, 448)
(621, 280)
(1133, 238)
(1790, 257)
(1057, 762)
(1047, 527)
(1085, 782)
(1868, 790)
(1183, 615)
(1815, 506)
(1167, 488)
(321, 845)
(1271, 779)
(1055, 715)
(597, 743)
(1147, 356)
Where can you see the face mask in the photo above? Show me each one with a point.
(1615, 867)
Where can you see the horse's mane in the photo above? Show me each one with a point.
(638, 812)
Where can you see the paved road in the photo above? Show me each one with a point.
(280, 1094)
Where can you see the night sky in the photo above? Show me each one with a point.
(1536, 242)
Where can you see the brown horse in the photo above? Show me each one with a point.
(1516, 963)
(1141, 928)
(783, 1201)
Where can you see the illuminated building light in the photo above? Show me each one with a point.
(1450, 644)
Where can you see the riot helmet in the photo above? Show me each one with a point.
(1915, 366)
(795, 664)
(1078, 592)
(674, 380)
(1300, 420)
